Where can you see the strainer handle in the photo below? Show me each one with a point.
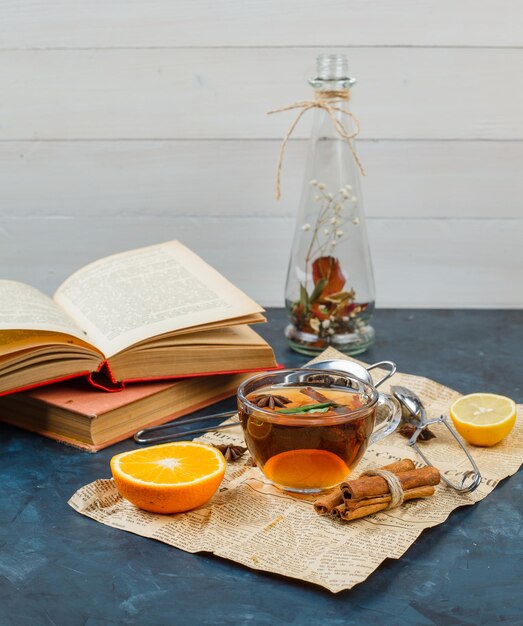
(388, 365)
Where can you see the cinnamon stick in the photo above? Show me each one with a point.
(325, 504)
(338, 511)
(363, 511)
(372, 486)
(368, 507)
(409, 494)
(404, 465)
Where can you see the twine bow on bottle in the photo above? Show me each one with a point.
(321, 101)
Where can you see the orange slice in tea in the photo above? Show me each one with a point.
(258, 428)
(306, 469)
(169, 478)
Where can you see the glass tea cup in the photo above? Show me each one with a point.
(308, 429)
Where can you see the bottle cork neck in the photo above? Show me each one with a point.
(332, 94)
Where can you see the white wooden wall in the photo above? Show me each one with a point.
(128, 123)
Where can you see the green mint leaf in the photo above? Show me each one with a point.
(321, 407)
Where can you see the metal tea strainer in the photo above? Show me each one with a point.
(148, 435)
(414, 406)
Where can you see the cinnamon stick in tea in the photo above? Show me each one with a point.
(314, 394)
(370, 506)
(373, 486)
(319, 397)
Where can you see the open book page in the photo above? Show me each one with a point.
(17, 341)
(230, 336)
(255, 318)
(128, 297)
(23, 307)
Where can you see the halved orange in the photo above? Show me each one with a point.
(169, 478)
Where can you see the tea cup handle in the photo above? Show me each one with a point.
(388, 425)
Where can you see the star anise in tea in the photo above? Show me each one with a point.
(230, 451)
(270, 401)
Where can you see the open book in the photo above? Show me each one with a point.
(152, 313)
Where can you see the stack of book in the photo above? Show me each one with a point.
(155, 313)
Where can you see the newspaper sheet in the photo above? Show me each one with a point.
(251, 522)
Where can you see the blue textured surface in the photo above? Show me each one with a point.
(58, 567)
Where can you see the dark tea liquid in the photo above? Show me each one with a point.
(319, 452)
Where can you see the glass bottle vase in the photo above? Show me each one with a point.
(330, 291)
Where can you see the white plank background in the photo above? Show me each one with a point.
(406, 260)
(261, 23)
(223, 93)
(127, 123)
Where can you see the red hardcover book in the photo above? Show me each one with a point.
(74, 413)
(149, 314)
